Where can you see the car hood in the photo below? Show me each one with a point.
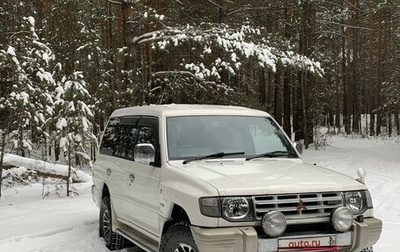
(269, 176)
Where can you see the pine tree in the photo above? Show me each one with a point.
(29, 99)
(73, 121)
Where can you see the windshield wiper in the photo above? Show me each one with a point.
(271, 155)
(214, 155)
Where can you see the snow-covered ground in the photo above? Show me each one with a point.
(56, 224)
(381, 159)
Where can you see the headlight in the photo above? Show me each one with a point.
(342, 219)
(229, 208)
(356, 201)
(274, 223)
(235, 208)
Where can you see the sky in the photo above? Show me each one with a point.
(55, 223)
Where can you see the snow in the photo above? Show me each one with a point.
(31, 20)
(85, 108)
(71, 106)
(16, 172)
(235, 44)
(62, 123)
(42, 166)
(11, 51)
(30, 222)
(46, 76)
(381, 159)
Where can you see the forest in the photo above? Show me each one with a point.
(65, 65)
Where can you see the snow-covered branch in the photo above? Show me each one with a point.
(236, 45)
(181, 73)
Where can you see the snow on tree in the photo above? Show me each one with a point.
(218, 50)
(73, 115)
(29, 100)
(73, 121)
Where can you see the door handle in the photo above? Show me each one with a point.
(108, 171)
(132, 177)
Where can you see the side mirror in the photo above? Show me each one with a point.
(299, 147)
(144, 153)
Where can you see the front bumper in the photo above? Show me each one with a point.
(245, 239)
(366, 233)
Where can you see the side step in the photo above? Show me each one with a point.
(138, 240)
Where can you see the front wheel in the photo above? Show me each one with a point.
(113, 240)
(178, 238)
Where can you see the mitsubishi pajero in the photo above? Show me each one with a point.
(205, 178)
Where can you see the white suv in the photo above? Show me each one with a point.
(209, 178)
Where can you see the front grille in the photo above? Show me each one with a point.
(298, 206)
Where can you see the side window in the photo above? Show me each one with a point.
(109, 136)
(120, 137)
(146, 135)
(126, 137)
(122, 134)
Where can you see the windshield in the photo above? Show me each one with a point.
(194, 136)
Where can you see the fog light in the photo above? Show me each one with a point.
(274, 223)
(342, 219)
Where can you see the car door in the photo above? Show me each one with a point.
(144, 179)
(121, 137)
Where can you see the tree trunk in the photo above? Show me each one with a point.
(331, 120)
(3, 145)
(56, 151)
(287, 127)
(346, 114)
(270, 90)
(262, 98)
(310, 121)
(21, 139)
(70, 53)
(301, 112)
(277, 96)
(379, 74)
(355, 76)
(337, 120)
(371, 85)
(307, 81)
(223, 8)
(304, 108)
(397, 121)
(69, 168)
(297, 111)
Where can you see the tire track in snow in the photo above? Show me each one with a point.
(78, 238)
(71, 238)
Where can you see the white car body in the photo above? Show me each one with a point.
(145, 198)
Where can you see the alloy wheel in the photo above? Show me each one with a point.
(106, 225)
(184, 247)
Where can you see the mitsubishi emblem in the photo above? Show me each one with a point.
(301, 206)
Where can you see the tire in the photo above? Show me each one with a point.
(113, 240)
(370, 249)
(178, 238)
